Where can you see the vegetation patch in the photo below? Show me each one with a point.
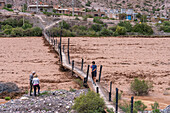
(19, 28)
(140, 87)
(89, 103)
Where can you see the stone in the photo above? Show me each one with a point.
(24, 98)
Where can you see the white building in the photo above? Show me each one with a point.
(40, 8)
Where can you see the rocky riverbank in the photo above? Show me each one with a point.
(59, 101)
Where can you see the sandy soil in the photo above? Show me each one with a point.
(124, 59)
(20, 56)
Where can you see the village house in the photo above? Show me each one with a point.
(2, 4)
(40, 8)
(96, 13)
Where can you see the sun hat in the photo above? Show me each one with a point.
(33, 72)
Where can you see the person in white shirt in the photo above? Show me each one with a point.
(35, 83)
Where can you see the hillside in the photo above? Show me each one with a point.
(143, 6)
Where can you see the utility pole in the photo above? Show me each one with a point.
(73, 7)
(37, 5)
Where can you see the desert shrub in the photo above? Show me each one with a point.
(96, 27)
(127, 107)
(72, 90)
(92, 33)
(47, 13)
(165, 26)
(8, 9)
(64, 24)
(126, 24)
(84, 18)
(140, 87)
(67, 33)
(137, 106)
(79, 82)
(26, 26)
(166, 23)
(36, 31)
(17, 32)
(155, 108)
(143, 29)
(110, 110)
(77, 18)
(3, 27)
(11, 22)
(7, 98)
(8, 5)
(120, 30)
(7, 31)
(97, 20)
(105, 32)
(88, 3)
(14, 22)
(113, 28)
(89, 103)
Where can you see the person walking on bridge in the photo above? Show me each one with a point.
(36, 82)
(93, 72)
(31, 78)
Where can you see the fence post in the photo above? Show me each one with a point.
(117, 97)
(110, 93)
(87, 72)
(132, 104)
(97, 89)
(100, 73)
(72, 67)
(82, 61)
(68, 50)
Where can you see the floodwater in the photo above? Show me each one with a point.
(20, 56)
(124, 59)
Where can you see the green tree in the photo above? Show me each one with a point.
(64, 24)
(105, 32)
(121, 30)
(26, 26)
(126, 24)
(96, 27)
(17, 32)
(143, 29)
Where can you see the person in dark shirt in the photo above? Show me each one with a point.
(94, 70)
(31, 78)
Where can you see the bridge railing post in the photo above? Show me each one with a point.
(82, 61)
(87, 72)
(100, 73)
(110, 93)
(72, 67)
(68, 53)
(97, 89)
(132, 104)
(117, 98)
